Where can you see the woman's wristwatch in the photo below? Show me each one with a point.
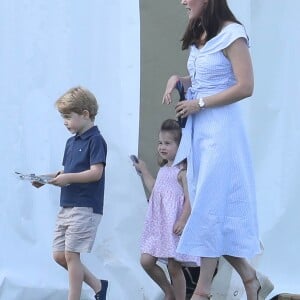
(201, 103)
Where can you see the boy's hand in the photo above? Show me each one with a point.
(60, 180)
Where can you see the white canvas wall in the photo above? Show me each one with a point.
(273, 122)
(48, 47)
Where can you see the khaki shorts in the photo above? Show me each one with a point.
(75, 229)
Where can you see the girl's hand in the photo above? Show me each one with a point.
(140, 166)
(167, 97)
(143, 171)
(178, 227)
(186, 107)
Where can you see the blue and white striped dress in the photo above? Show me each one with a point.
(223, 220)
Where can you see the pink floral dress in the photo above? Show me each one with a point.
(165, 208)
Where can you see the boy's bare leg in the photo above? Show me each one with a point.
(76, 274)
(88, 277)
(91, 280)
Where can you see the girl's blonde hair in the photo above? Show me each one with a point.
(78, 99)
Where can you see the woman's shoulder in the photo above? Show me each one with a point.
(232, 29)
(230, 32)
(225, 23)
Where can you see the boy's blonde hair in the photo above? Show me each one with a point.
(77, 99)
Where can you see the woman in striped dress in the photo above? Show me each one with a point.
(223, 221)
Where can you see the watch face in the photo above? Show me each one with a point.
(201, 103)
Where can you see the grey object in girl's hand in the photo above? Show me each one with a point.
(134, 159)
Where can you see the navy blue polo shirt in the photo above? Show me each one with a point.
(81, 152)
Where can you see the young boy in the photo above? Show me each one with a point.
(82, 190)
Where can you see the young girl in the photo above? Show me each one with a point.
(168, 211)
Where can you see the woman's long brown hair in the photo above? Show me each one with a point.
(211, 22)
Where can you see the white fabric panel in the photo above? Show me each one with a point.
(276, 136)
(48, 47)
(273, 123)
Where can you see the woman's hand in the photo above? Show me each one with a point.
(186, 107)
(171, 84)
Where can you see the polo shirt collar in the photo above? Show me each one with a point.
(90, 132)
